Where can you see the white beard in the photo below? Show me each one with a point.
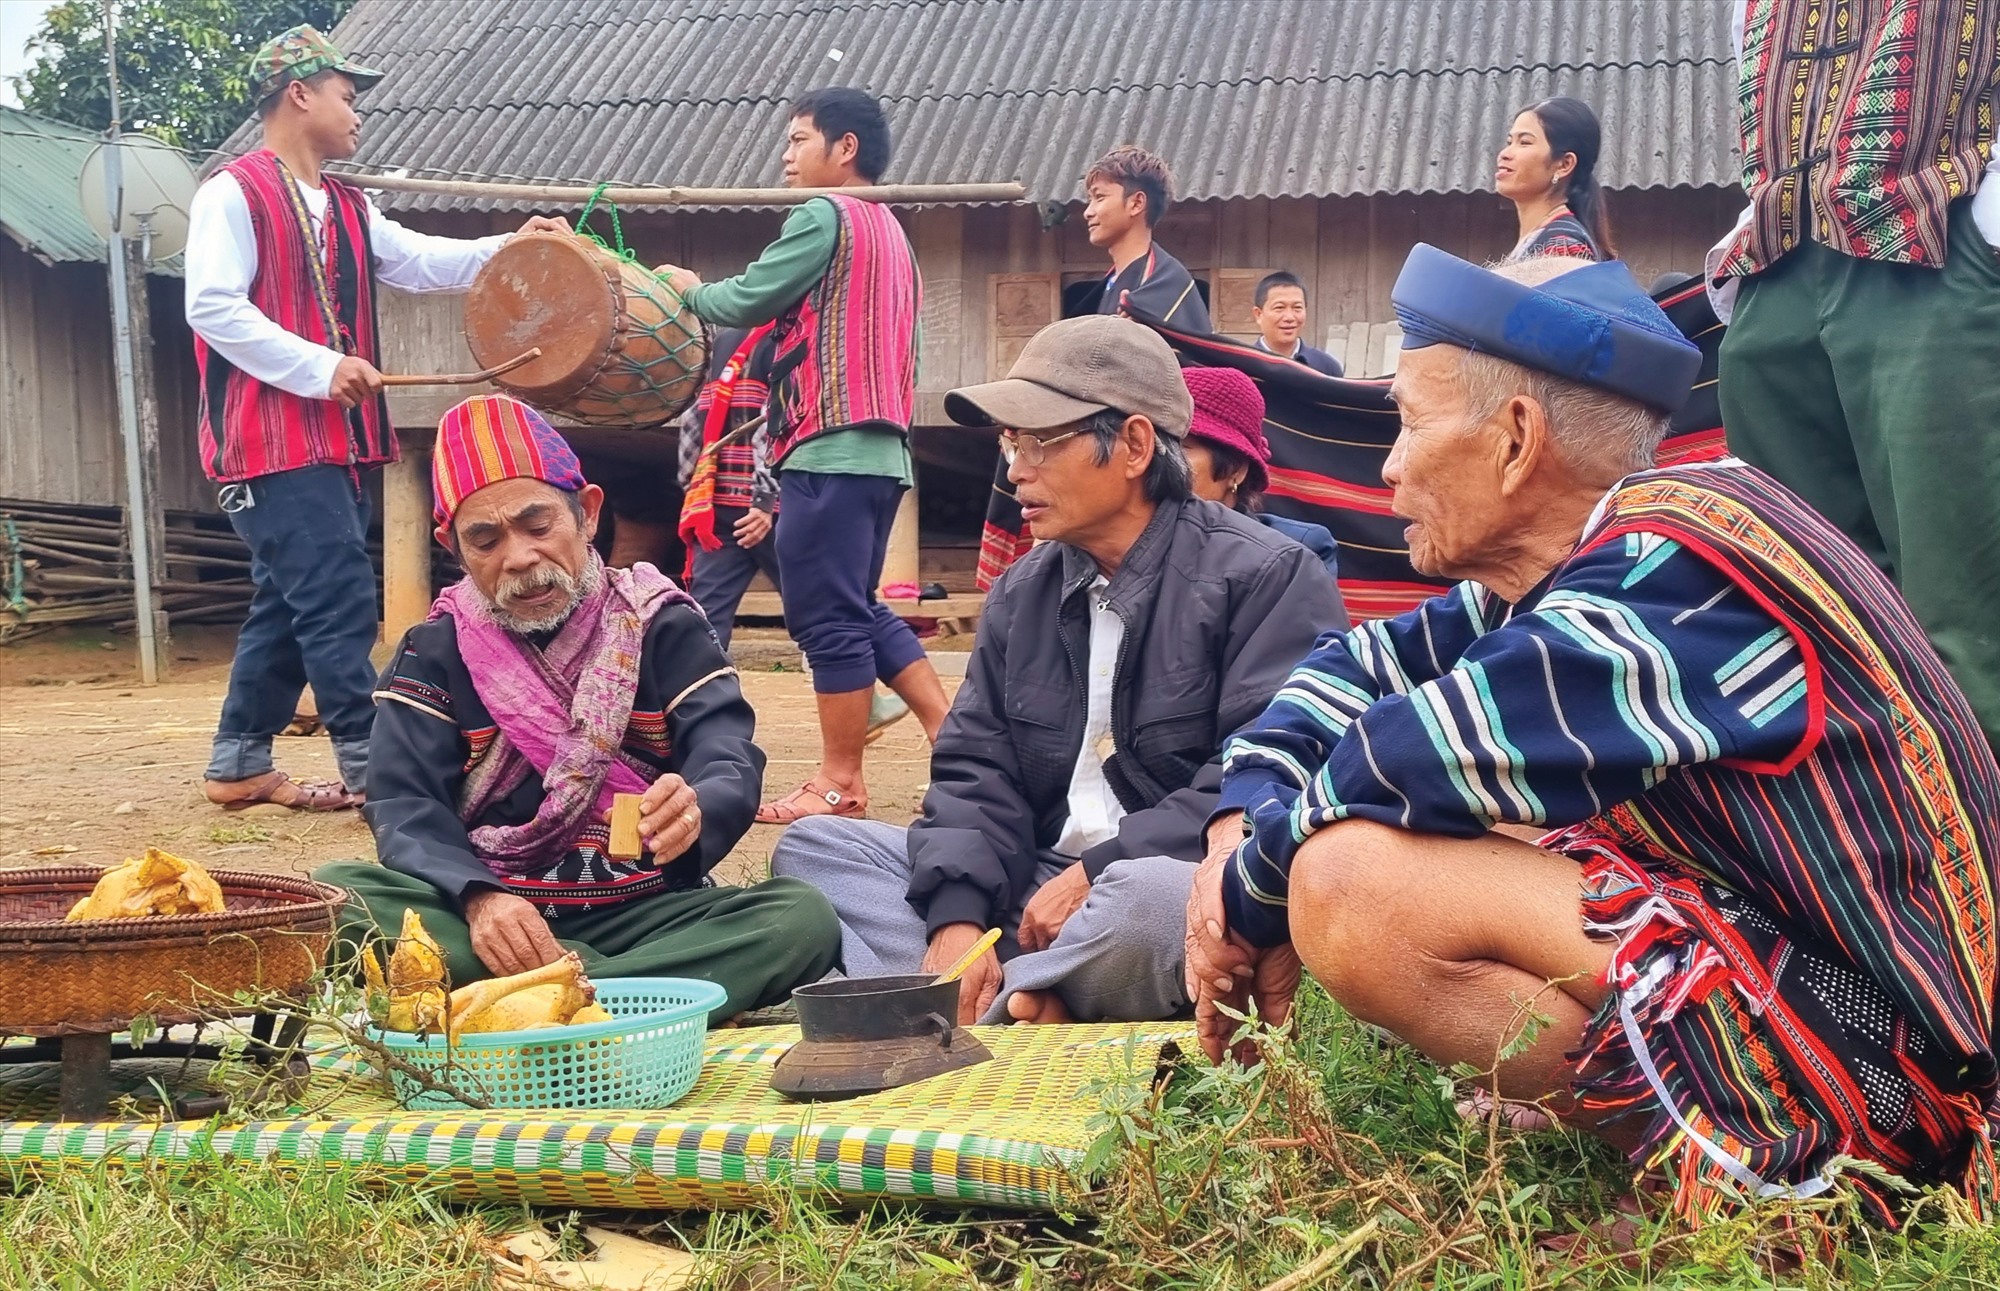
(574, 589)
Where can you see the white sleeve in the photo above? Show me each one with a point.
(423, 262)
(221, 263)
(1722, 298)
(1986, 204)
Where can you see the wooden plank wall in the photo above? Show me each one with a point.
(58, 406)
(59, 435)
(1348, 250)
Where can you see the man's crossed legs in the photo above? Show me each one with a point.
(1117, 958)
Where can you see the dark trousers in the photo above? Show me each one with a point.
(312, 619)
(1873, 392)
(721, 576)
(831, 545)
(756, 943)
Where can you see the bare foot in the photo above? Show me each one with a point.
(1037, 1006)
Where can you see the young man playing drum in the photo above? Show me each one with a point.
(282, 262)
(841, 285)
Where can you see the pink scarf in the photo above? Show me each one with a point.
(562, 711)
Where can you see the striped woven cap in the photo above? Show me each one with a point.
(492, 438)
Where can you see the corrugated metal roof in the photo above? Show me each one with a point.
(41, 161)
(1246, 98)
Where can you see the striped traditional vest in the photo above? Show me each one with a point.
(1878, 836)
(249, 428)
(846, 355)
(1862, 121)
(748, 395)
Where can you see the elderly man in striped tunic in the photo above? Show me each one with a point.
(1754, 932)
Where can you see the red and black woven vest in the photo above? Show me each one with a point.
(1877, 837)
(249, 428)
(846, 355)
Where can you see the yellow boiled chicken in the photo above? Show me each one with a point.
(417, 980)
(153, 884)
(553, 995)
(412, 997)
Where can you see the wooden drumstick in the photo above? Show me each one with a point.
(747, 428)
(463, 378)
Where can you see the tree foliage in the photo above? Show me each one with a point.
(183, 65)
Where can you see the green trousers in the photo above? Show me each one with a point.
(1873, 392)
(757, 943)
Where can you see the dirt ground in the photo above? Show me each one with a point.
(94, 767)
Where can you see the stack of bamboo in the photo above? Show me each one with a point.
(72, 565)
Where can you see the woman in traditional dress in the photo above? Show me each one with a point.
(1548, 169)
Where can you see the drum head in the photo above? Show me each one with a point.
(546, 289)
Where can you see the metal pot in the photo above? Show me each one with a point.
(865, 1035)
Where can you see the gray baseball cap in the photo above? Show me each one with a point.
(1071, 369)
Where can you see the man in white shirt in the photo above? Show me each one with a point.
(282, 263)
(1072, 780)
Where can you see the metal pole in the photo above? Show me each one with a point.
(136, 509)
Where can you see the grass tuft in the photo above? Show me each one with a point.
(1339, 1160)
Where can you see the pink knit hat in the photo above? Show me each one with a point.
(1229, 411)
(491, 438)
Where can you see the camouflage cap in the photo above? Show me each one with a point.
(297, 54)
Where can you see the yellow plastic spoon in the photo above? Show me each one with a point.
(979, 948)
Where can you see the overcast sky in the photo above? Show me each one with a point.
(18, 20)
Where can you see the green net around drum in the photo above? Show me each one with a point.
(619, 346)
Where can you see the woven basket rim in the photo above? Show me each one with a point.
(310, 908)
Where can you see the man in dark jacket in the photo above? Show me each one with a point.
(1072, 779)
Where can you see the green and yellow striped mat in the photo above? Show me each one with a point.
(1003, 1133)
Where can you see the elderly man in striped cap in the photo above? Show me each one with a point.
(1753, 935)
(543, 683)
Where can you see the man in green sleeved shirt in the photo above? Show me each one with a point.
(841, 287)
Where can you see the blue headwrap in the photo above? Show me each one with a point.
(1592, 325)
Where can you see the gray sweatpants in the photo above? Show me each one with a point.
(1117, 959)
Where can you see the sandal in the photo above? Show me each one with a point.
(806, 800)
(304, 795)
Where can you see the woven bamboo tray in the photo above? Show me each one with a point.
(94, 976)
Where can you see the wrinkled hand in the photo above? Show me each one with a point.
(669, 818)
(678, 278)
(1051, 906)
(545, 224)
(980, 984)
(508, 934)
(354, 381)
(1222, 968)
(753, 528)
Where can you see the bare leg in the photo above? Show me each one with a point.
(919, 687)
(1451, 944)
(843, 731)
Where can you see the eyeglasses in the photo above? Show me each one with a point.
(1030, 449)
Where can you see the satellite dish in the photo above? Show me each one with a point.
(159, 185)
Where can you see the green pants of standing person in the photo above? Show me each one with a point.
(756, 943)
(1872, 390)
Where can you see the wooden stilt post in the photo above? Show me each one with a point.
(406, 543)
(900, 563)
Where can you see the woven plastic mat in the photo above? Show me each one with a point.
(1003, 1133)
